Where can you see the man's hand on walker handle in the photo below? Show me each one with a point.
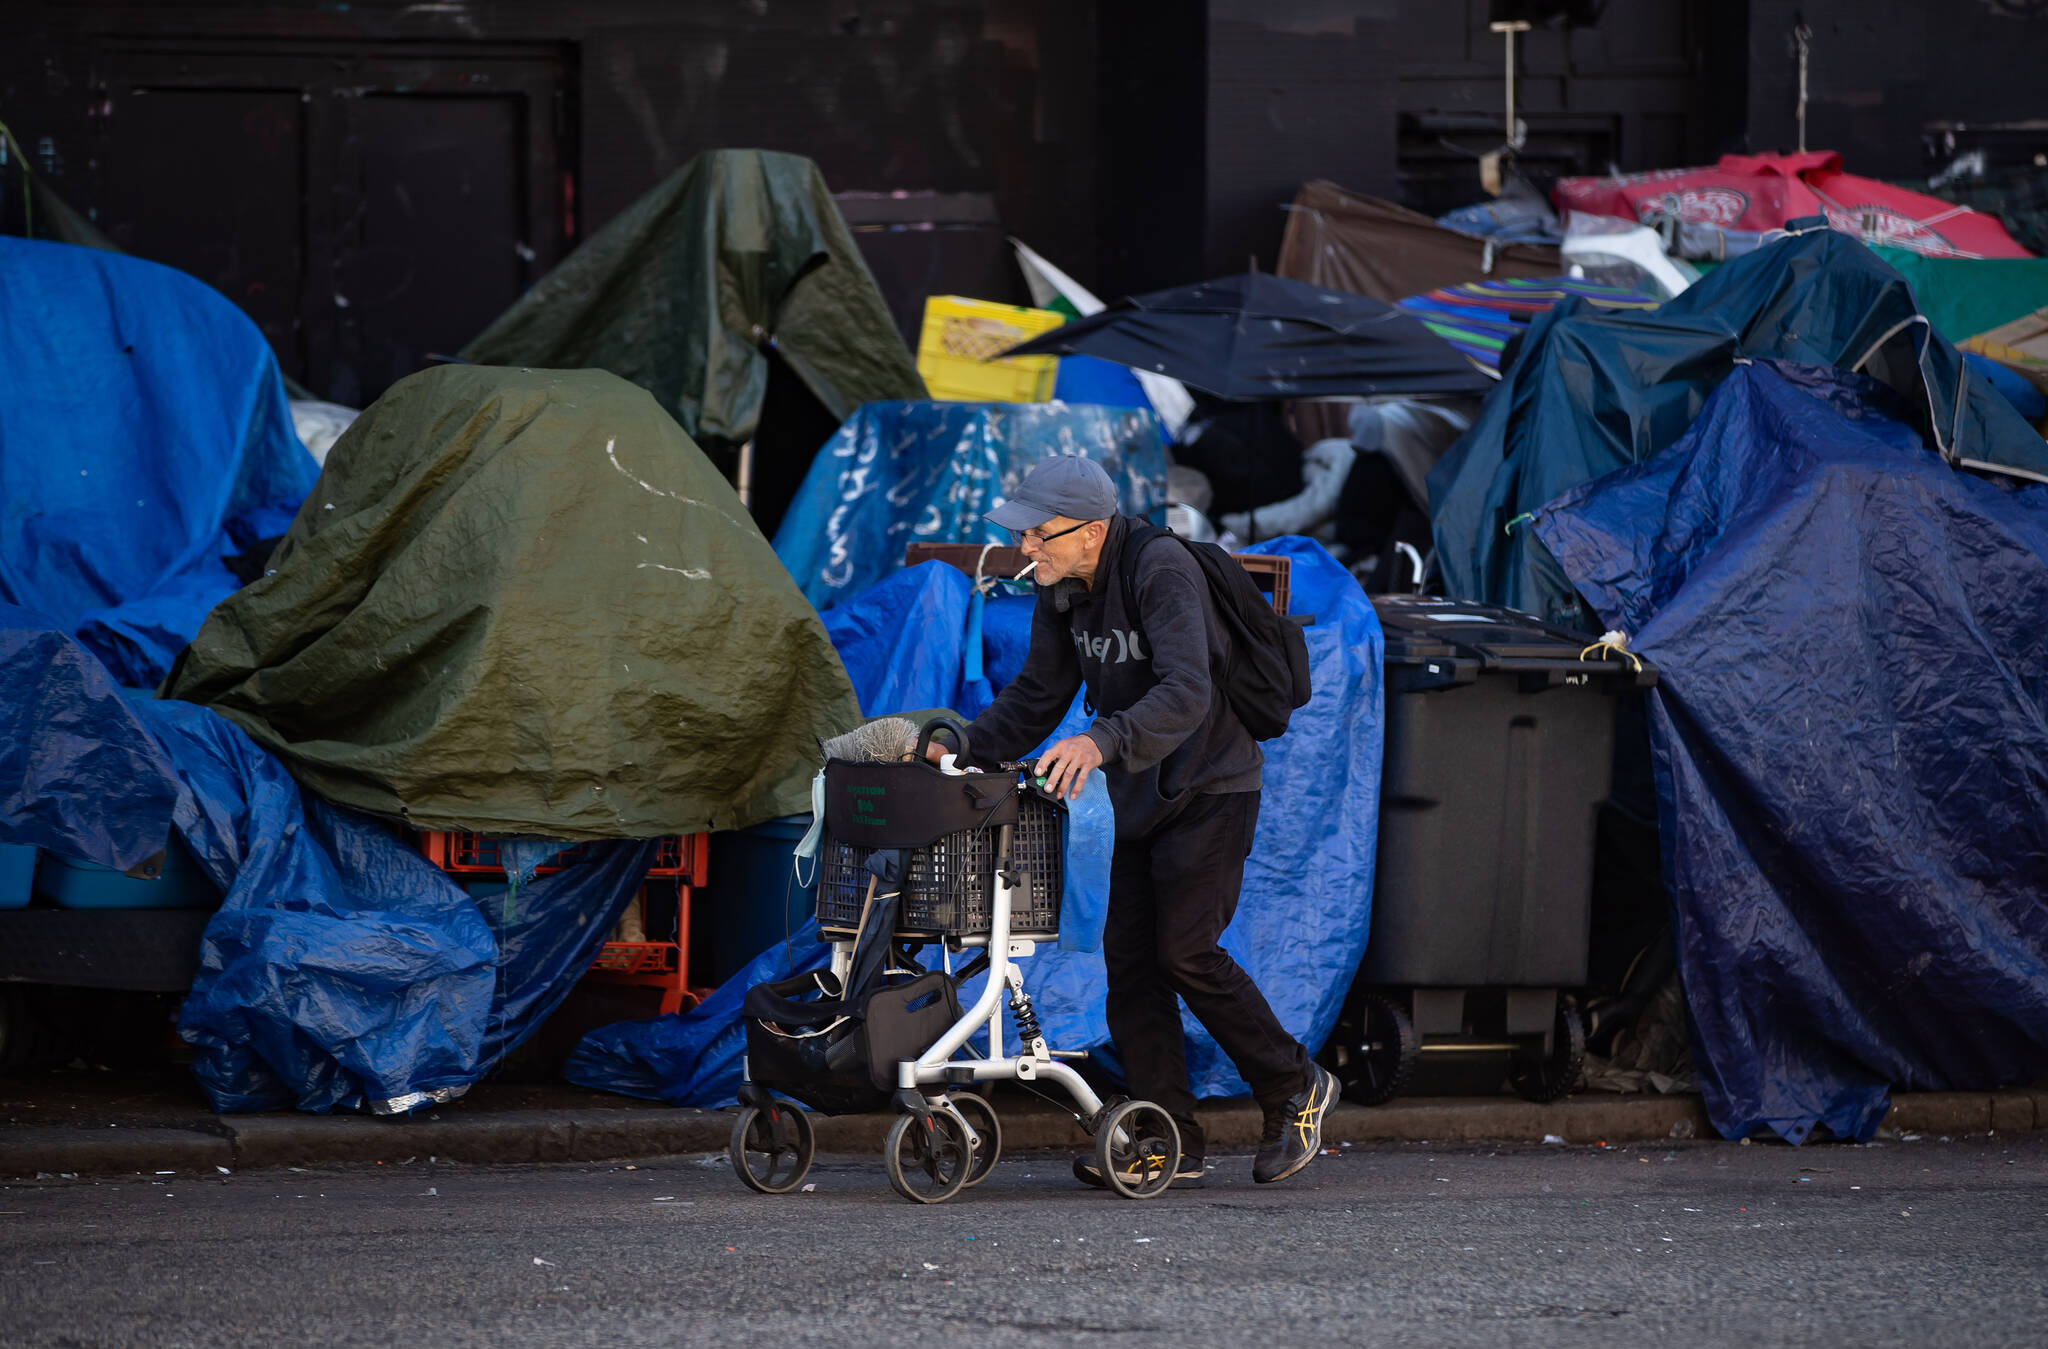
(1065, 767)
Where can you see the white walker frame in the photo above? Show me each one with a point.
(923, 1083)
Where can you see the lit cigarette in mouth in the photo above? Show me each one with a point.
(1029, 567)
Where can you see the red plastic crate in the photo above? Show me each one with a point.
(681, 857)
(662, 965)
(638, 957)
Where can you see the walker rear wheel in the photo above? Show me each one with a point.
(772, 1147)
(928, 1157)
(1137, 1148)
(981, 1117)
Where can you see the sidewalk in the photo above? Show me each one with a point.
(88, 1127)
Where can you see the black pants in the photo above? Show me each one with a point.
(1171, 894)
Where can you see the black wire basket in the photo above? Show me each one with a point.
(949, 890)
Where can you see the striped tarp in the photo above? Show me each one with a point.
(1479, 317)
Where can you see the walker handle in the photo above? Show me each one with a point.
(950, 727)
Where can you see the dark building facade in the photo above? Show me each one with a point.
(374, 181)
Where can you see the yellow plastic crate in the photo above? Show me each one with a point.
(958, 337)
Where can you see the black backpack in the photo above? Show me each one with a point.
(1267, 677)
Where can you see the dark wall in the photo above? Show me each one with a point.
(1880, 71)
(1296, 91)
(362, 177)
(282, 149)
(1399, 98)
(1153, 104)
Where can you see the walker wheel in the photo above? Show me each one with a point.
(981, 1117)
(772, 1147)
(1137, 1147)
(928, 1157)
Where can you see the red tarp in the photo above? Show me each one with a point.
(1762, 192)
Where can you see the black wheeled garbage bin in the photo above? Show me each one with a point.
(1499, 748)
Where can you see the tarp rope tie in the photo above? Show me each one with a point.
(1508, 530)
(1613, 642)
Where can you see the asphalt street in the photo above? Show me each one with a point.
(1907, 1241)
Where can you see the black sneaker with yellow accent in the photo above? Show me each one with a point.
(1188, 1177)
(1294, 1133)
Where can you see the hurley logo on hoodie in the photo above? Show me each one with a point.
(1124, 645)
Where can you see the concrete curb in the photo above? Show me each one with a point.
(603, 1135)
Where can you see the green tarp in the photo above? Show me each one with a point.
(1966, 296)
(523, 601)
(736, 251)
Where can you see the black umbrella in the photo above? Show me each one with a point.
(1260, 336)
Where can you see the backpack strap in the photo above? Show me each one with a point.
(1127, 563)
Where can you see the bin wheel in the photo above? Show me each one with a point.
(1553, 1076)
(772, 1147)
(1137, 1149)
(928, 1157)
(981, 1117)
(1373, 1055)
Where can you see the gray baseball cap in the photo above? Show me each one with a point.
(1066, 485)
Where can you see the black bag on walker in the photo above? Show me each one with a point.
(834, 1056)
(838, 1054)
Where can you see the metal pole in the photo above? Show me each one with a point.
(1507, 28)
(1802, 35)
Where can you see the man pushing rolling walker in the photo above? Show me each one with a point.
(1186, 668)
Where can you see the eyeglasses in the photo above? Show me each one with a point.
(1024, 536)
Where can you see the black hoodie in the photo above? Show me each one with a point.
(1165, 729)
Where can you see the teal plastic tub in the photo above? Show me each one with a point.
(178, 884)
(17, 874)
(752, 901)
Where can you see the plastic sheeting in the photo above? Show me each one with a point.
(885, 638)
(686, 291)
(902, 473)
(1592, 392)
(1304, 911)
(525, 602)
(144, 435)
(343, 971)
(78, 774)
(1349, 241)
(1766, 192)
(1850, 731)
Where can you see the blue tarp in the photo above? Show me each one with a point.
(144, 435)
(343, 970)
(1850, 730)
(1305, 908)
(78, 774)
(901, 473)
(1592, 391)
(1088, 381)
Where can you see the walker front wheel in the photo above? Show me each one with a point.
(771, 1147)
(928, 1157)
(1137, 1147)
(980, 1117)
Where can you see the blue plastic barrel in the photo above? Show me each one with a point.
(179, 884)
(17, 872)
(753, 900)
